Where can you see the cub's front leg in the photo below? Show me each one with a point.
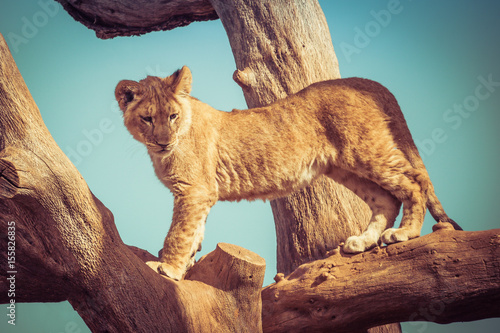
(185, 235)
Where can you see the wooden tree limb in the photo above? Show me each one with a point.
(136, 17)
(446, 276)
(59, 242)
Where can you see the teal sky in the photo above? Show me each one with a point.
(439, 58)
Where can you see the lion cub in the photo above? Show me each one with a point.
(351, 130)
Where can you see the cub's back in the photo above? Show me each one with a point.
(364, 89)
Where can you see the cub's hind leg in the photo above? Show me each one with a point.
(385, 208)
(411, 188)
(390, 169)
(375, 157)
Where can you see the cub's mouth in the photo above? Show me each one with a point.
(162, 149)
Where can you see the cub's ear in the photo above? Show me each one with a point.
(182, 81)
(125, 92)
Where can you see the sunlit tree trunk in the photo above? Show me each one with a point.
(280, 47)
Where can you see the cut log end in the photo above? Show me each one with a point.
(227, 267)
(245, 78)
(242, 254)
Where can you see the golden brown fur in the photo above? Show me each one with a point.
(349, 129)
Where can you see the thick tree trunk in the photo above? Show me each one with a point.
(280, 47)
(276, 58)
(61, 243)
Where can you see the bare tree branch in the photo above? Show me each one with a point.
(136, 17)
(446, 276)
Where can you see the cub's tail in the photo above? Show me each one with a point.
(405, 143)
(436, 209)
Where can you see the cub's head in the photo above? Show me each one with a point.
(157, 111)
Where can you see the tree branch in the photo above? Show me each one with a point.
(446, 276)
(136, 17)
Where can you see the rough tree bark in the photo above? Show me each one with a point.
(68, 246)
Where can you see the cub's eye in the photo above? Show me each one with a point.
(147, 119)
(173, 116)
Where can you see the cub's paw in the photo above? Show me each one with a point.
(357, 244)
(165, 269)
(394, 235)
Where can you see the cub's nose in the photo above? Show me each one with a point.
(163, 146)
